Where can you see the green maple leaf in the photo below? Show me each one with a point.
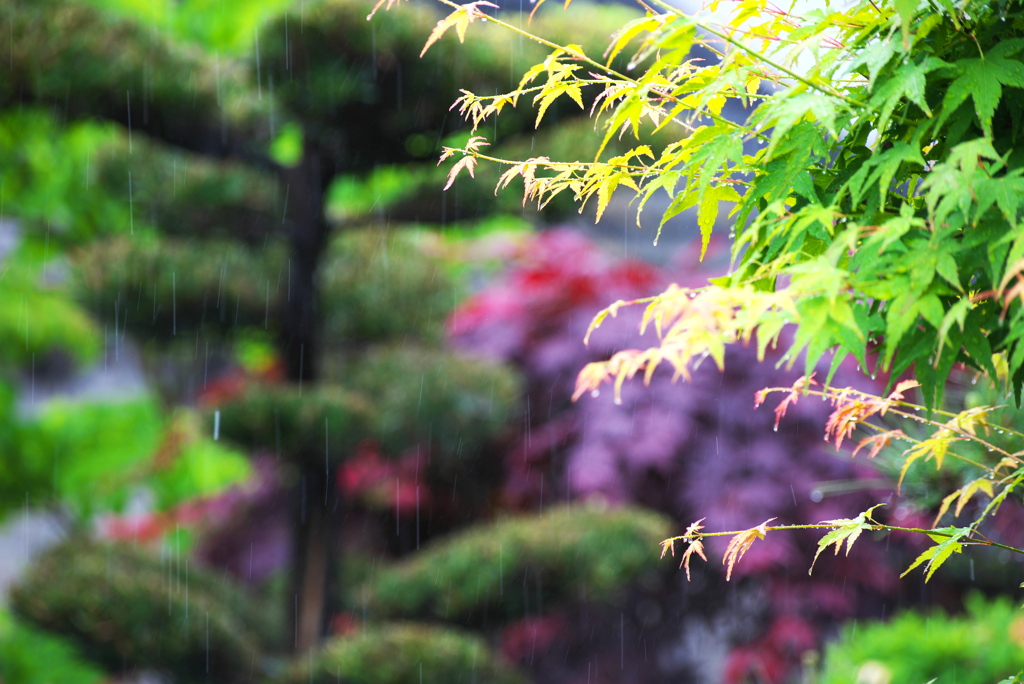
(983, 79)
(908, 81)
(907, 9)
(707, 211)
(1004, 192)
(881, 168)
(846, 530)
(947, 543)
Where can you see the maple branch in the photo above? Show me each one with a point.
(531, 89)
(915, 440)
(602, 67)
(834, 395)
(772, 528)
(939, 533)
(694, 537)
(966, 435)
(754, 53)
(638, 170)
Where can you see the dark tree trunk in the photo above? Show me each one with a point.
(318, 508)
(315, 560)
(304, 191)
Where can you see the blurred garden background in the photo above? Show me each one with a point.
(276, 408)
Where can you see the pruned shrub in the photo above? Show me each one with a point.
(311, 423)
(404, 653)
(379, 286)
(160, 289)
(126, 606)
(454, 404)
(567, 554)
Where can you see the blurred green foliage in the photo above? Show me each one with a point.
(67, 184)
(48, 178)
(226, 26)
(981, 647)
(89, 454)
(163, 288)
(192, 465)
(400, 397)
(31, 656)
(56, 44)
(286, 148)
(188, 195)
(89, 457)
(379, 285)
(581, 552)
(353, 197)
(327, 70)
(37, 318)
(404, 654)
(450, 403)
(125, 606)
(307, 424)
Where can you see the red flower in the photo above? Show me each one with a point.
(343, 624)
(395, 485)
(773, 656)
(530, 637)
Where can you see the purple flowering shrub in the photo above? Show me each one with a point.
(692, 450)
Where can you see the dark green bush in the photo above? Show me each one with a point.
(125, 606)
(379, 285)
(398, 397)
(164, 288)
(300, 423)
(86, 61)
(190, 195)
(981, 647)
(404, 654)
(456, 405)
(499, 570)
